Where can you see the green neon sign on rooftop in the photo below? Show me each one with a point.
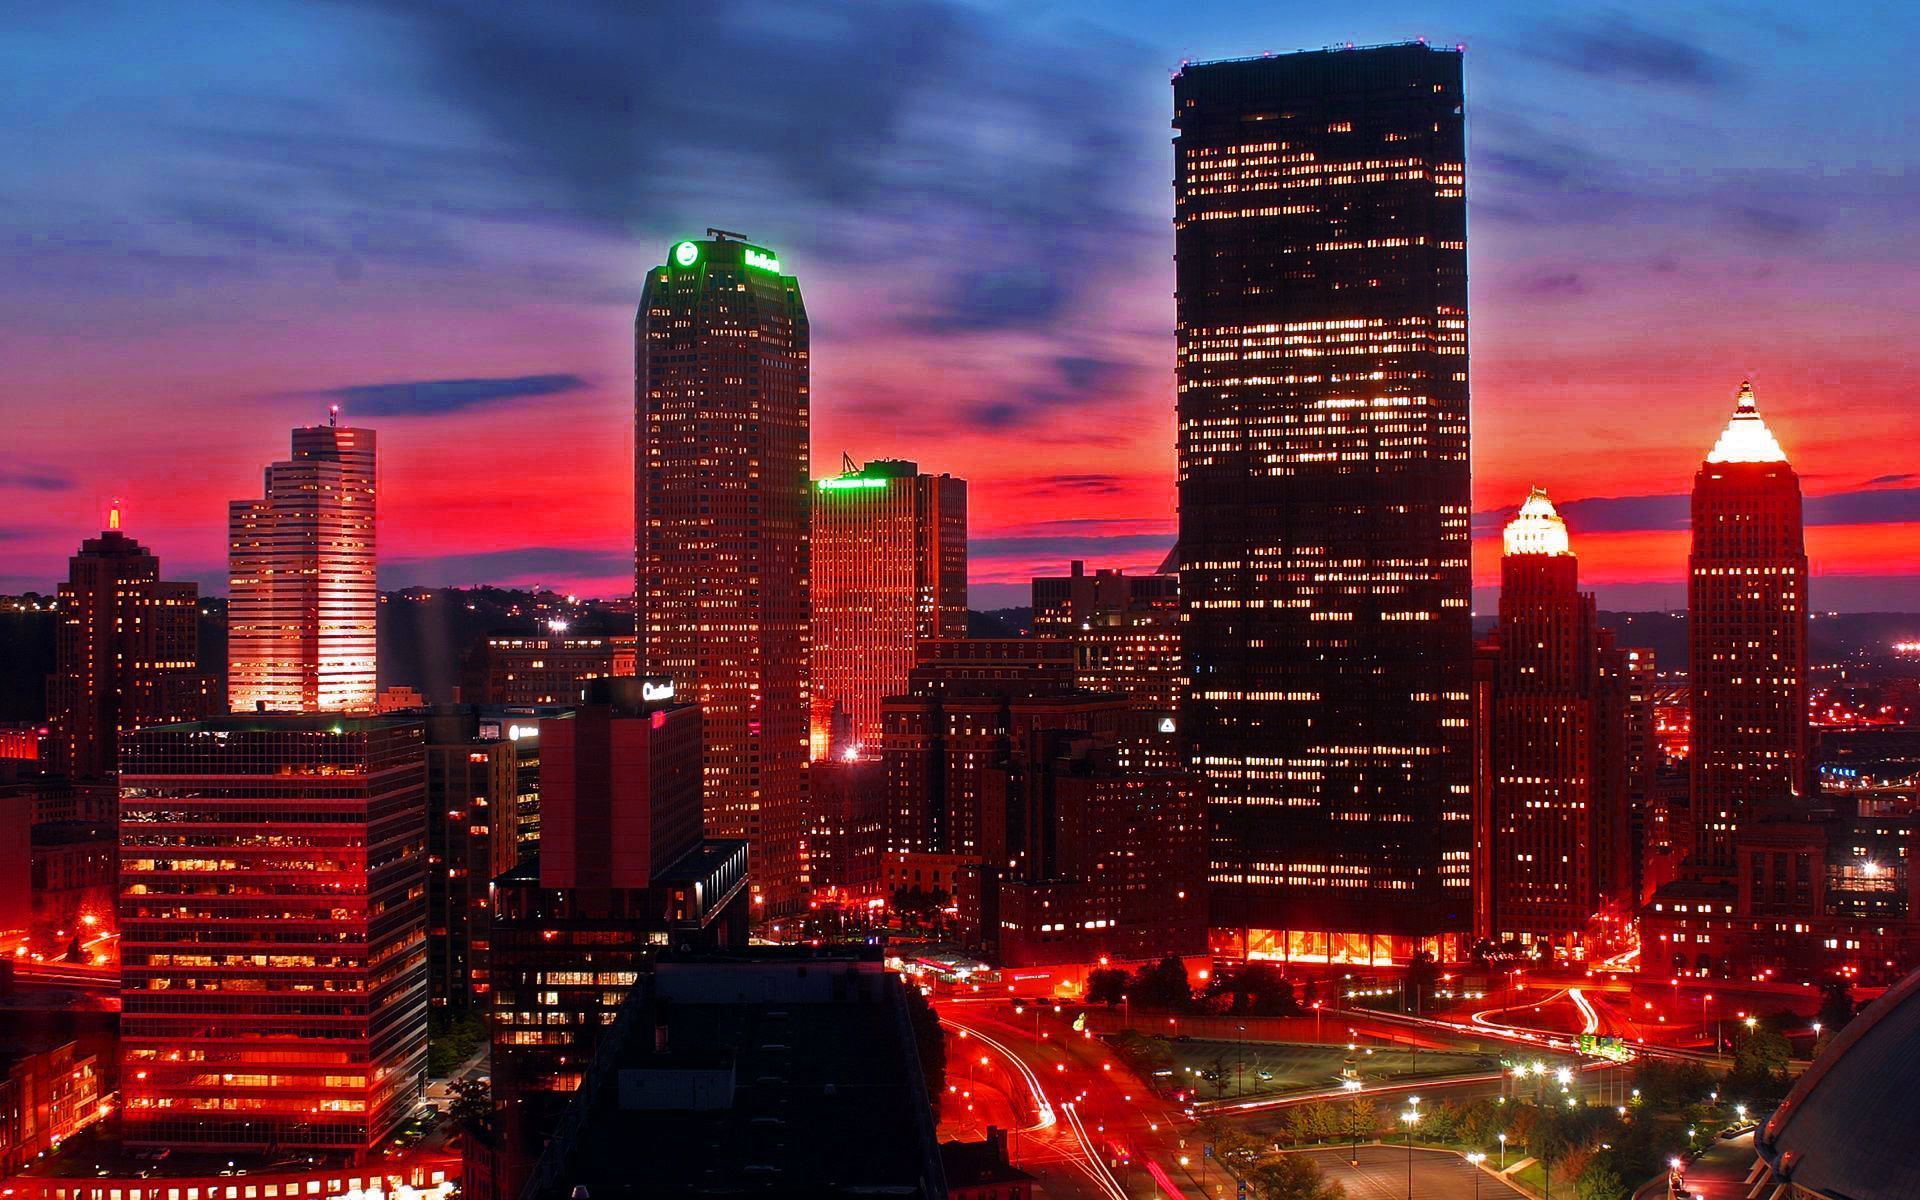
(839, 485)
(761, 260)
(686, 254)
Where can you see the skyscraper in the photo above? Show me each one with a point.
(889, 554)
(1320, 234)
(303, 601)
(1558, 744)
(126, 654)
(273, 922)
(721, 488)
(1747, 636)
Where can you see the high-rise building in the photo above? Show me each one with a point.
(1559, 831)
(723, 501)
(126, 654)
(623, 873)
(1064, 603)
(273, 932)
(303, 601)
(889, 555)
(1747, 637)
(1320, 237)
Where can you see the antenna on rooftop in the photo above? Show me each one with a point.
(847, 465)
(721, 235)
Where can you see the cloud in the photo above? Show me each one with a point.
(35, 479)
(1555, 283)
(1616, 48)
(548, 564)
(437, 397)
(1901, 478)
(1069, 545)
(1636, 514)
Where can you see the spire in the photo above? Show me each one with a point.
(1746, 439)
(1537, 529)
(113, 515)
(333, 416)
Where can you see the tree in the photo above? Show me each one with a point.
(1163, 985)
(1547, 1141)
(932, 1045)
(1292, 1177)
(1761, 1053)
(1217, 1074)
(1232, 1146)
(1313, 1122)
(1360, 1118)
(1422, 975)
(1106, 985)
(472, 1107)
(1836, 1007)
(1600, 1181)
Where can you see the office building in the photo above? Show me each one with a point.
(302, 601)
(1561, 854)
(889, 555)
(1321, 288)
(1105, 864)
(1747, 637)
(273, 933)
(1125, 631)
(623, 873)
(551, 668)
(723, 502)
(473, 821)
(126, 654)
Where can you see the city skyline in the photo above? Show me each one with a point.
(1633, 236)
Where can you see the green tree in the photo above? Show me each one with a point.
(1360, 1118)
(1761, 1053)
(1163, 985)
(1547, 1140)
(1232, 1146)
(931, 1044)
(1313, 1122)
(472, 1107)
(1106, 985)
(1422, 976)
(1600, 1181)
(1292, 1177)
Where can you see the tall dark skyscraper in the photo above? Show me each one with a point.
(1747, 636)
(126, 655)
(721, 489)
(1320, 219)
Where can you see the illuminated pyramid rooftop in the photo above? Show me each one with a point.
(1746, 439)
(1537, 529)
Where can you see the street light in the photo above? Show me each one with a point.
(1476, 1158)
(1503, 1154)
(1412, 1118)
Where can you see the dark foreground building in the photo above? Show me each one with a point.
(623, 874)
(1320, 223)
(761, 1074)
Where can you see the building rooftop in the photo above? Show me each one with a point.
(778, 1074)
(1746, 439)
(1847, 1128)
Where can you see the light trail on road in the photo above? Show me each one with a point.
(1587, 1014)
(1096, 1166)
(1044, 1115)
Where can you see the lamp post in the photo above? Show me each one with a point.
(1476, 1158)
(1503, 1154)
(1412, 1118)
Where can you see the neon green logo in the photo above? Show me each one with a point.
(835, 485)
(686, 254)
(762, 260)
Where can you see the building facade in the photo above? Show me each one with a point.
(723, 502)
(1125, 632)
(1320, 236)
(550, 668)
(889, 572)
(1747, 637)
(126, 654)
(303, 599)
(473, 825)
(1561, 853)
(623, 873)
(273, 932)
